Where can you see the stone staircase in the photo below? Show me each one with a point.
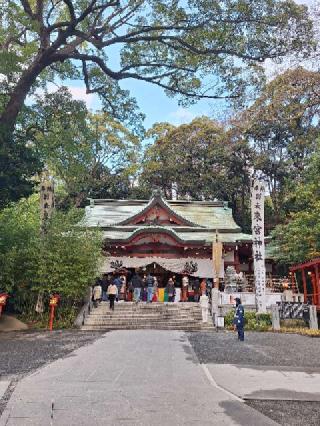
(159, 316)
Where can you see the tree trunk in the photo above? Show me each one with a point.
(9, 116)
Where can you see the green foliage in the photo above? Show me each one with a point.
(68, 256)
(89, 154)
(253, 321)
(298, 239)
(18, 164)
(282, 126)
(203, 160)
(65, 259)
(197, 49)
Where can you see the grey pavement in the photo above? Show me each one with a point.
(273, 383)
(142, 377)
(3, 387)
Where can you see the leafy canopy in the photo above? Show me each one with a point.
(282, 127)
(65, 259)
(201, 159)
(298, 239)
(170, 43)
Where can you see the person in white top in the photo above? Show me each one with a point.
(97, 293)
(112, 293)
(204, 303)
(185, 283)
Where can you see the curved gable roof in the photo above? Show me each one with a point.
(198, 214)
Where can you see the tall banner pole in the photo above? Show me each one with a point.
(258, 245)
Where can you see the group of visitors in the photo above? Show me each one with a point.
(138, 287)
(109, 288)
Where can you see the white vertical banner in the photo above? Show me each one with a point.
(258, 246)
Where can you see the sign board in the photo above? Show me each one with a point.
(217, 261)
(258, 245)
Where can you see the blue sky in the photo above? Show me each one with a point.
(154, 103)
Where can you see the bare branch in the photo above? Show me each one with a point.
(125, 75)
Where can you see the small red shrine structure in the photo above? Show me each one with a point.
(173, 234)
(310, 275)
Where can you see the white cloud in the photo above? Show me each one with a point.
(77, 92)
(80, 94)
(181, 116)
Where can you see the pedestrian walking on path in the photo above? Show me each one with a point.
(238, 320)
(112, 293)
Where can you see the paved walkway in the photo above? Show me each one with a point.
(128, 378)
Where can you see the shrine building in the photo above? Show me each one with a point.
(169, 236)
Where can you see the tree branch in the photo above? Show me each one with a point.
(27, 8)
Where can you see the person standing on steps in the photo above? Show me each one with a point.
(203, 287)
(136, 284)
(196, 289)
(117, 281)
(155, 289)
(170, 290)
(97, 293)
(204, 303)
(238, 321)
(185, 284)
(112, 293)
(149, 284)
(104, 285)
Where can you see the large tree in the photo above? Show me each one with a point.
(298, 239)
(170, 43)
(202, 160)
(282, 126)
(87, 152)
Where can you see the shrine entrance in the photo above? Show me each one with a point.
(161, 274)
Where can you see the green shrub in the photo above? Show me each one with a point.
(252, 321)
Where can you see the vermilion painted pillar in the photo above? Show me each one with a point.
(316, 270)
(304, 280)
(314, 289)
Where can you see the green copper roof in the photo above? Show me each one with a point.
(195, 236)
(203, 214)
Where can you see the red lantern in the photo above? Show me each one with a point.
(3, 301)
(54, 300)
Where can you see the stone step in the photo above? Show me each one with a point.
(142, 322)
(147, 309)
(145, 314)
(147, 327)
(161, 316)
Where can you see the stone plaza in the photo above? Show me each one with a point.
(153, 377)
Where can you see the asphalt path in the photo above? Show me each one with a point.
(158, 377)
(142, 377)
(277, 374)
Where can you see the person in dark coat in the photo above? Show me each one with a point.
(149, 284)
(117, 281)
(170, 290)
(137, 285)
(196, 289)
(105, 284)
(238, 320)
